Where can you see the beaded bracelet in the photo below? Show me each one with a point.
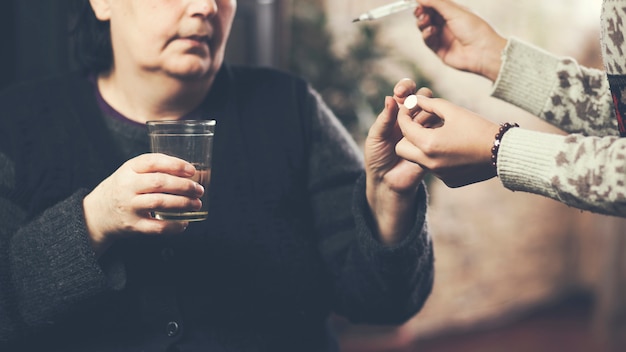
(497, 139)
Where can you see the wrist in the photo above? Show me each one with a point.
(393, 212)
(99, 241)
(492, 59)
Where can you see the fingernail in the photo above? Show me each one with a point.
(401, 91)
(190, 169)
(388, 102)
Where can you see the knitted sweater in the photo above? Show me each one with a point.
(288, 240)
(587, 168)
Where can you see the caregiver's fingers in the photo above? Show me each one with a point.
(423, 117)
(409, 151)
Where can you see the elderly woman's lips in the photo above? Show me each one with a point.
(196, 38)
(194, 41)
(199, 38)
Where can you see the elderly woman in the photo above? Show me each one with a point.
(299, 225)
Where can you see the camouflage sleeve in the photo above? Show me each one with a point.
(573, 98)
(583, 172)
(586, 169)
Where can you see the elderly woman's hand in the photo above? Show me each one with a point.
(392, 182)
(122, 204)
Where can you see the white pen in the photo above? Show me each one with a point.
(387, 10)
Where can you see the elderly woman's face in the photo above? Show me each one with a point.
(180, 38)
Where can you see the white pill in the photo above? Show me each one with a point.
(410, 102)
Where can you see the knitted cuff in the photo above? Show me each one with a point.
(527, 160)
(527, 76)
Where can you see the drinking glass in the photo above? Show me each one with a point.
(190, 140)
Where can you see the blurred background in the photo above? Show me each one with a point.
(514, 271)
